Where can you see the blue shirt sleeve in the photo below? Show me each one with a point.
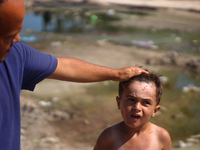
(37, 66)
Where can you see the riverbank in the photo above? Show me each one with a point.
(192, 5)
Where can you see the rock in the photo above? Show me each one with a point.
(155, 47)
(164, 79)
(196, 136)
(178, 39)
(181, 144)
(45, 104)
(111, 12)
(153, 61)
(50, 140)
(192, 140)
(86, 122)
(173, 56)
(56, 44)
(55, 99)
(102, 42)
(191, 88)
(57, 115)
(23, 131)
(193, 65)
(23, 137)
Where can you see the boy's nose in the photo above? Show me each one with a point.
(17, 38)
(137, 106)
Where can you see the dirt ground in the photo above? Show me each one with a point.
(38, 126)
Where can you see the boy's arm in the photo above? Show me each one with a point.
(71, 69)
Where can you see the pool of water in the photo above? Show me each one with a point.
(113, 23)
(184, 80)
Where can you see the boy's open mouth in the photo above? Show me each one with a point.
(135, 116)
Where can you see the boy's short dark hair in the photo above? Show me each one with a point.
(144, 78)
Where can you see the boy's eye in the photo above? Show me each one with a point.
(130, 99)
(146, 103)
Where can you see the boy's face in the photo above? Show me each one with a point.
(138, 103)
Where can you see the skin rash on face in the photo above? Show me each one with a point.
(11, 22)
(138, 104)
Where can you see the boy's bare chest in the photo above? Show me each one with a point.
(141, 144)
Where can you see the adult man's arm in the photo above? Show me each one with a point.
(71, 69)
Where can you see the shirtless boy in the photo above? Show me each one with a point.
(138, 101)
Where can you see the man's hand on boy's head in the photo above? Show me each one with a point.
(128, 72)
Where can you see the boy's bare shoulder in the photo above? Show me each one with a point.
(163, 136)
(161, 132)
(106, 138)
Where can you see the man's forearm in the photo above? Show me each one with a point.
(71, 69)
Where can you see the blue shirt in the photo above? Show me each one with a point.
(23, 68)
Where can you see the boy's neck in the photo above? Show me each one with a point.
(137, 130)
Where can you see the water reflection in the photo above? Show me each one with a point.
(183, 80)
(47, 16)
(56, 21)
(33, 22)
(48, 21)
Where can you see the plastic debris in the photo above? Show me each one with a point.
(28, 38)
(45, 104)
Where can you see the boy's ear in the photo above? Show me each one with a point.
(157, 108)
(118, 101)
